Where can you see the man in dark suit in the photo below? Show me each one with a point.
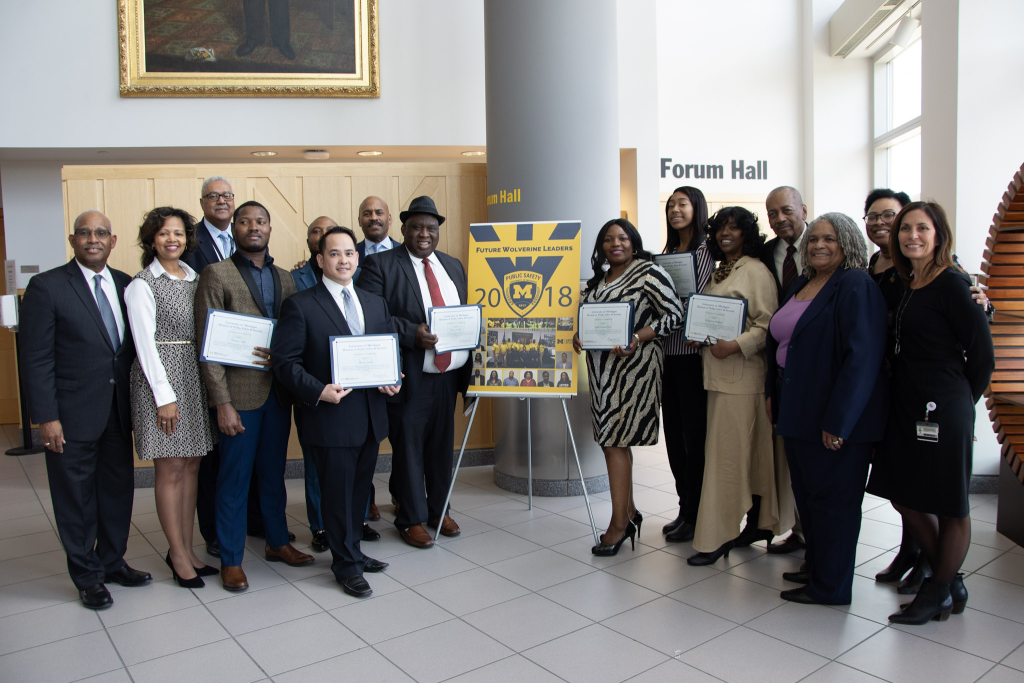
(342, 428)
(375, 221)
(411, 278)
(77, 353)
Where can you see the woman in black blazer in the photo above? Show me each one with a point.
(828, 395)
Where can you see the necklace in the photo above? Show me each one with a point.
(904, 302)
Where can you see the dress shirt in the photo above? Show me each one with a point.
(567, 365)
(780, 255)
(372, 247)
(216, 233)
(451, 298)
(141, 303)
(264, 278)
(511, 382)
(109, 289)
(335, 289)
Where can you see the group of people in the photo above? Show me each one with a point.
(844, 366)
(108, 357)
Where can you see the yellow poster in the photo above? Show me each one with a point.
(527, 278)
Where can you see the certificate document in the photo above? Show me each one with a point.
(682, 267)
(457, 327)
(230, 338)
(604, 325)
(710, 318)
(366, 360)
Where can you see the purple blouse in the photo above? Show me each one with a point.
(783, 323)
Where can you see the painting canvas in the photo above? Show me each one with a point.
(194, 48)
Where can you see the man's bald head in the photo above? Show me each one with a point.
(316, 230)
(87, 214)
(91, 239)
(374, 218)
(786, 213)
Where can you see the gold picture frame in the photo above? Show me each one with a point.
(177, 68)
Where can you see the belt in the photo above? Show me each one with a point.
(175, 342)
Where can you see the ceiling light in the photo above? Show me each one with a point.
(473, 153)
(370, 153)
(264, 154)
(905, 31)
(316, 154)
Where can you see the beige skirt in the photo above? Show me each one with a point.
(739, 462)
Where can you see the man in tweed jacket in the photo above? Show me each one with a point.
(253, 413)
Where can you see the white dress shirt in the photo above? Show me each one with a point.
(216, 233)
(371, 247)
(339, 298)
(449, 293)
(110, 290)
(780, 256)
(142, 315)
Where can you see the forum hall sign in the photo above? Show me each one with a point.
(738, 169)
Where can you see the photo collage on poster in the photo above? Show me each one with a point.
(522, 352)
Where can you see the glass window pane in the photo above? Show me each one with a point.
(906, 85)
(905, 167)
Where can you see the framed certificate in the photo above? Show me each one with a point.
(230, 338)
(710, 318)
(605, 325)
(682, 268)
(457, 327)
(364, 361)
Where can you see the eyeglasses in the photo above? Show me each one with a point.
(83, 233)
(886, 217)
(214, 196)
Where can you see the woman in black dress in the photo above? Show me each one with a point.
(942, 360)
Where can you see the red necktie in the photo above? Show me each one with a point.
(441, 360)
(788, 269)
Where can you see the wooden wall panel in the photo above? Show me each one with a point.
(331, 197)
(181, 193)
(10, 407)
(126, 202)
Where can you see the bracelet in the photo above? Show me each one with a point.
(636, 335)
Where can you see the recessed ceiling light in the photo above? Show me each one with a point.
(472, 153)
(264, 154)
(316, 154)
(102, 151)
(370, 153)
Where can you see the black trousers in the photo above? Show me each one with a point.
(829, 488)
(422, 435)
(206, 499)
(346, 477)
(684, 411)
(280, 22)
(92, 485)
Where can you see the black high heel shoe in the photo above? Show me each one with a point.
(957, 591)
(900, 565)
(637, 520)
(704, 559)
(603, 550)
(933, 601)
(196, 582)
(916, 578)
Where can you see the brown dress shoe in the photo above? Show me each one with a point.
(289, 555)
(233, 578)
(374, 513)
(416, 536)
(448, 526)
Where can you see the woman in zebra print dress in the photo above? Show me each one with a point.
(625, 383)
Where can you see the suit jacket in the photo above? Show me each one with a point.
(68, 366)
(205, 253)
(229, 286)
(305, 277)
(390, 275)
(768, 259)
(301, 356)
(361, 248)
(834, 379)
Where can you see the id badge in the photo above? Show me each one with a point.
(928, 431)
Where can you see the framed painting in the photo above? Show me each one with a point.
(248, 48)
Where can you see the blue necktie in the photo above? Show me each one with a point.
(225, 241)
(106, 312)
(351, 314)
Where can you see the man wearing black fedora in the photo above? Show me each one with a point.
(412, 278)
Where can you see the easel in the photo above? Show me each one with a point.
(529, 452)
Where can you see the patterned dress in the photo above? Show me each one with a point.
(625, 393)
(175, 322)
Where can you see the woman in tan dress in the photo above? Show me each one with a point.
(739, 460)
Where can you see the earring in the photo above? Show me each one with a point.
(634, 252)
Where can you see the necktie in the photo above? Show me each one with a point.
(225, 241)
(441, 360)
(788, 269)
(351, 314)
(106, 312)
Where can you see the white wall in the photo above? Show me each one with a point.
(33, 216)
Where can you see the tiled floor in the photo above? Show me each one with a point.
(518, 597)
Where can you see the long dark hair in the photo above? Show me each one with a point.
(942, 257)
(154, 222)
(753, 240)
(598, 259)
(699, 224)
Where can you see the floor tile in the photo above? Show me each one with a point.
(253, 611)
(764, 659)
(224, 662)
(165, 634)
(1015, 659)
(142, 602)
(660, 572)
(468, 526)
(599, 595)
(559, 504)
(884, 513)
(874, 565)
(975, 632)
(470, 591)
(594, 655)
(866, 553)
(1008, 567)
(22, 526)
(602, 513)
(64, 660)
(390, 616)
(880, 534)
(421, 566)
(840, 673)
(996, 597)
(47, 625)
(550, 530)
(36, 594)
(299, 643)
(579, 549)
(902, 658)
(468, 499)
(416, 653)
(362, 665)
(673, 671)
(29, 544)
(986, 512)
(493, 546)
(985, 533)
(649, 476)
(823, 631)
(730, 597)
(540, 569)
(872, 600)
(325, 591)
(980, 555)
(666, 625)
(117, 676)
(33, 567)
(1002, 674)
(526, 622)
(767, 570)
(509, 670)
(652, 501)
(506, 512)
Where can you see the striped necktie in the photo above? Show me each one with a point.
(788, 269)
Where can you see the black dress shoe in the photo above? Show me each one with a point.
(797, 577)
(286, 50)
(704, 559)
(247, 47)
(126, 576)
(671, 526)
(373, 566)
(798, 595)
(370, 534)
(682, 533)
(319, 543)
(213, 548)
(96, 597)
(356, 586)
(789, 545)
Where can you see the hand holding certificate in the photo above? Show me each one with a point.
(237, 339)
(364, 361)
(711, 318)
(457, 328)
(604, 326)
(682, 268)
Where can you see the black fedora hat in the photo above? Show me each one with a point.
(422, 204)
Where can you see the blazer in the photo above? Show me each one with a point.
(69, 370)
(229, 286)
(835, 378)
(205, 253)
(304, 277)
(768, 259)
(301, 357)
(390, 275)
(361, 248)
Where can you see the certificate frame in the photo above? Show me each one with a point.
(595, 304)
(660, 259)
(689, 317)
(203, 351)
(354, 339)
(439, 347)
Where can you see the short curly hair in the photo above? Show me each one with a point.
(849, 237)
(152, 224)
(753, 240)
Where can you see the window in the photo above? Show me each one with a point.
(898, 120)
